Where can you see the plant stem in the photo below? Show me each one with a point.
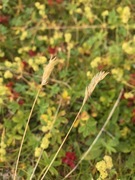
(88, 91)
(99, 134)
(62, 143)
(24, 134)
(43, 149)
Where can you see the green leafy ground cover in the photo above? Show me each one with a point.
(87, 36)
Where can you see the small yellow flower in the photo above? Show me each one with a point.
(95, 62)
(45, 128)
(94, 114)
(8, 75)
(108, 161)
(20, 50)
(17, 59)
(76, 123)
(48, 135)
(37, 4)
(125, 16)
(102, 99)
(3, 90)
(89, 74)
(128, 48)
(84, 116)
(79, 11)
(65, 94)
(117, 73)
(34, 48)
(40, 60)
(35, 67)
(119, 9)
(44, 117)
(105, 13)
(52, 41)
(128, 95)
(67, 37)
(57, 35)
(71, 12)
(106, 61)
(23, 35)
(103, 166)
(8, 64)
(37, 151)
(30, 61)
(88, 12)
(70, 46)
(26, 48)
(42, 13)
(2, 151)
(45, 143)
(42, 7)
(125, 131)
(103, 174)
(42, 38)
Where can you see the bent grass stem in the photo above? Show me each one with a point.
(24, 134)
(43, 149)
(88, 91)
(61, 144)
(97, 137)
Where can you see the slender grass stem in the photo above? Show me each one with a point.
(97, 137)
(43, 149)
(24, 134)
(62, 143)
(46, 74)
(88, 91)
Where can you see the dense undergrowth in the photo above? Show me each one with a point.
(87, 36)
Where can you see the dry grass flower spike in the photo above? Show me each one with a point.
(95, 80)
(46, 74)
(48, 70)
(88, 91)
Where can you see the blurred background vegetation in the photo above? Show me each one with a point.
(87, 36)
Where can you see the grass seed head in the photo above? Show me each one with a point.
(95, 80)
(48, 70)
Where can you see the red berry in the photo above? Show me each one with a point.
(20, 102)
(32, 53)
(10, 84)
(69, 159)
(25, 64)
(59, 1)
(52, 50)
(50, 2)
(4, 19)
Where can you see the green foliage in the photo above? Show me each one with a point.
(87, 37)
(89, 128)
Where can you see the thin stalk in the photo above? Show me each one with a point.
(97, 137)
(24, 134)
(46, 74)
(43, 149)
(88, 91)
(61, 143)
